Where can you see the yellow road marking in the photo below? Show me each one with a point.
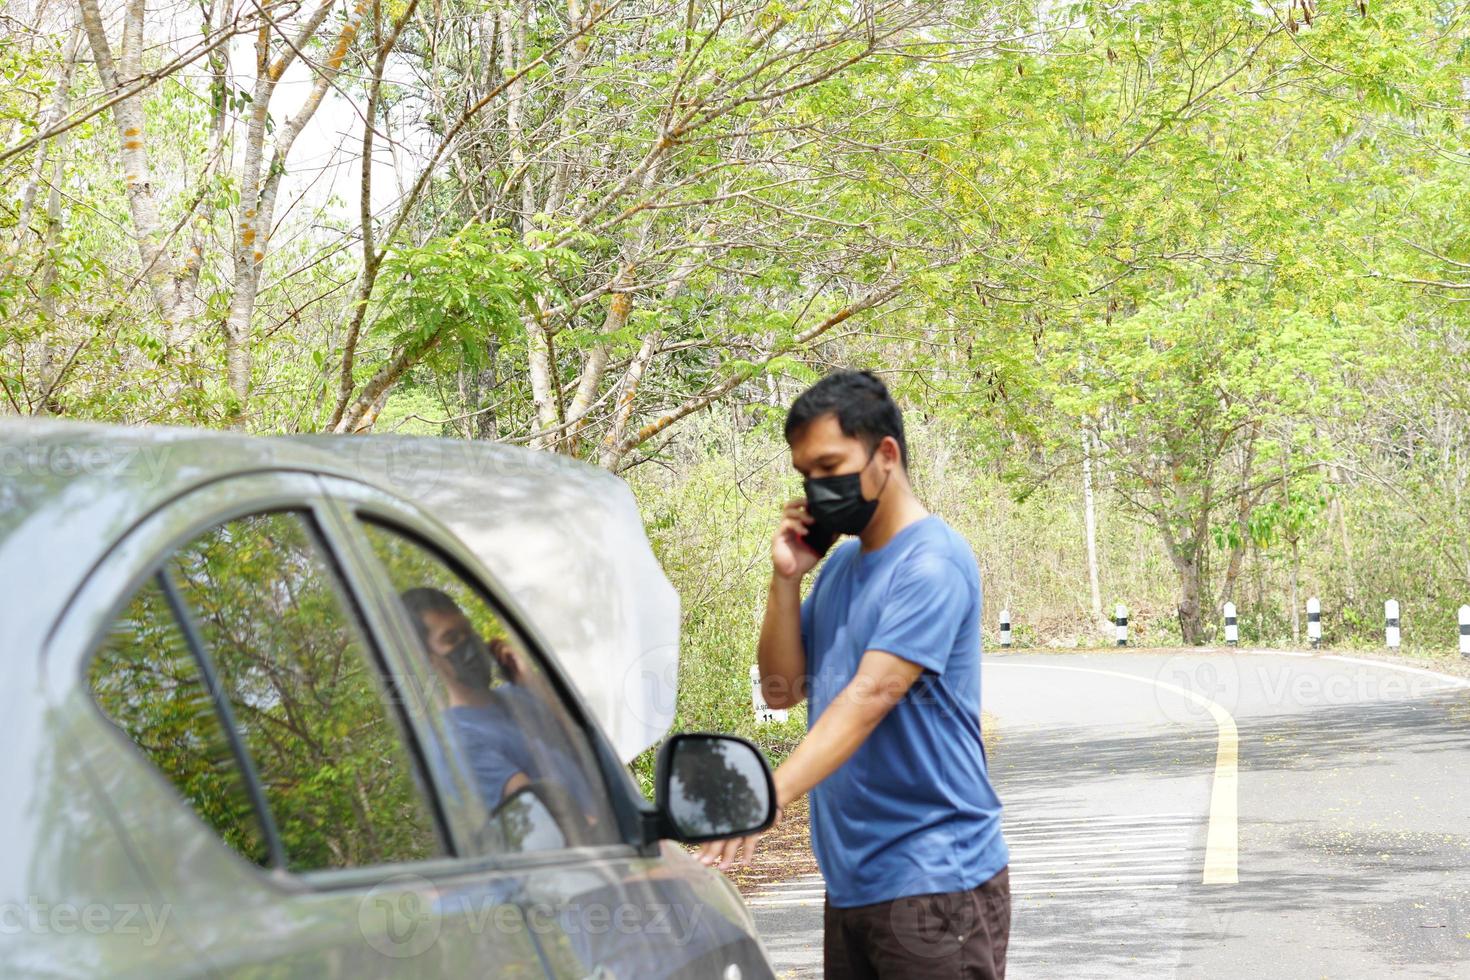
(1222, 842)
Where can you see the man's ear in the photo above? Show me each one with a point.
(891, 453)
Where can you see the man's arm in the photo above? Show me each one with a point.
(881, 682)
(779, 651)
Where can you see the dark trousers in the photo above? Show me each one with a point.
(952, 935)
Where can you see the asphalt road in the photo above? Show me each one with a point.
(1326, 800)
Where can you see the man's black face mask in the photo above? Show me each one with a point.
(837, 505)
(471, 662)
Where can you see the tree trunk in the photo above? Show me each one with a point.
(259, 182)
(57, 110)
(487, 423)
(542, 378)
(1296, 612)
(247, 255)
(1191, 587)
(127, 114)
(608, 455)
(363, 412)
(1260, 597)
(47, 404)
(596, 363)
(1089, 520)
(1338, 513)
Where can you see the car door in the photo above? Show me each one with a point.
(261, 759)
(598, 901)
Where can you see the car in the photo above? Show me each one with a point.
(346, 706)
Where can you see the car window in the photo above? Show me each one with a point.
(296, 682)
(147, 681)
(307, 698)
(505, 726)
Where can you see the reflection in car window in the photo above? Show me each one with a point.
(146, 680)
(305, 696)
(506, 727)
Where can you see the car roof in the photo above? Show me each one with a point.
(563, 537)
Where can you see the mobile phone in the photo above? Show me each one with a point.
(819, 539)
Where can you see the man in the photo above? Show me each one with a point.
(905, 823)
(506, 733)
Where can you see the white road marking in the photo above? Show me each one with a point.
(1450, 682)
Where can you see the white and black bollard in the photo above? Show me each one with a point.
(1391, 634)
(1120, 620)
(1465, 631)
(1314, 622)
(1232, 626)
(1005, 627)
(763, 711)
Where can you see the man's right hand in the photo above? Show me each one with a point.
(791, 557)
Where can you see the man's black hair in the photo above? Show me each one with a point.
(862, 405)
(421, 600)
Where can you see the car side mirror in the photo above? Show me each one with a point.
(528, 820)
(710, 787)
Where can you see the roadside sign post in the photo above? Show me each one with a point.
(1391, 624)
(1314, 622)
(1232, 626)
(763, 711)
(1465, 631)
(1005, 627)
(1120, 620)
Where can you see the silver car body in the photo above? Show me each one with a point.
(105, 870)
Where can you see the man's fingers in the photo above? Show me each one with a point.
(796, 510)
(795, 528)
(726, 854)
(749, 843)
(712, 852)
(739, 852)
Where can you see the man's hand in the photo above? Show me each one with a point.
(735, 852)
(791, 556)
(509, 660)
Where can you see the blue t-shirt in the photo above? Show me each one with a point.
(912, 812)
(496, 741)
